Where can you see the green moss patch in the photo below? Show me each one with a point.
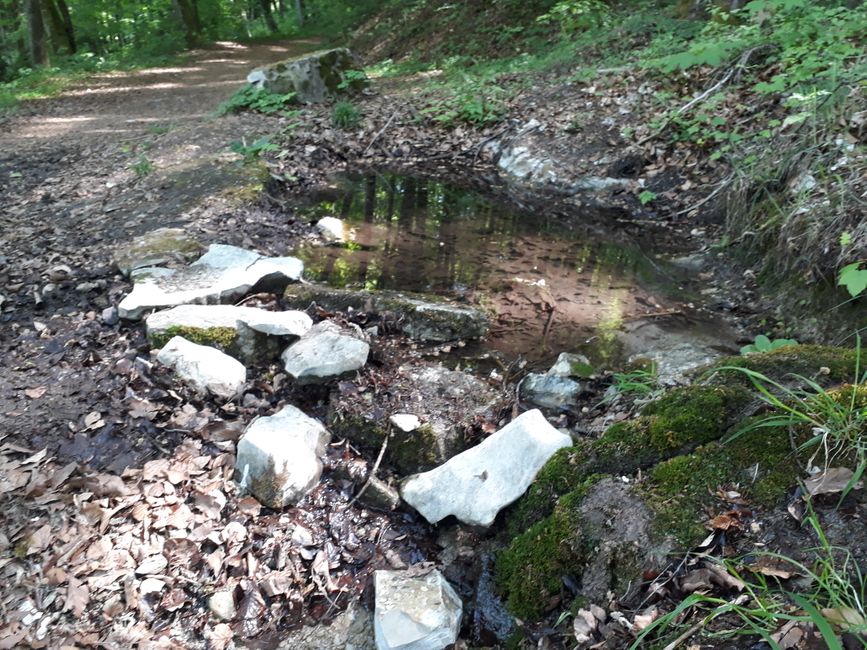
(806, 360)
(677, 422)
(531, 568)
(223, 338)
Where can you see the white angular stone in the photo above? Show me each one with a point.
(222, 605)
(279, 457)
(204, 317)
(405, 421)
(332, 230)
(567, 364)
(415, 612)
(476, 484)
(204, 367)
(326, 351)
(223, 274)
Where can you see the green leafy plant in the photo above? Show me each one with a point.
(253, 150)
(646, 197)
(345, 115)
(142, 166)
(854, 278)
(764, 344)
(352, 80)
(641, 382)
(574, 16)
(253, 98)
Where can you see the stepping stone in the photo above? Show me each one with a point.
(325, 352)
(223, 274)
(476, 484)
(158, 247)
(203, 367)
(280, 457)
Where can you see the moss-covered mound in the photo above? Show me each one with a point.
(676, 423)
(681, 441)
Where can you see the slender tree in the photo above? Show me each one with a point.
(299, 13)
(269, 15)
(36, 27)
(188, 13)
(62, 37)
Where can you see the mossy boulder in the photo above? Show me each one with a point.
(597, 535)
(830, 364)
(447, 402)
(156, 248)
(604, 533)
(314, 78)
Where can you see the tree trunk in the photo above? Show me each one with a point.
(299, 13)
(269, 16)
(38, 51)
(67, 26)
(59, 35)
(187, 13)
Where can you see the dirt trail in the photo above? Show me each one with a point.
(69, 194)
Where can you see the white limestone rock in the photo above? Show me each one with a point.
(476, 484)
(325, 352)
(280, 457)
(204, 367)
(205, 317)
(332, 230)
(406, 422)
(415, 612)
(571, 365)
(221, 275)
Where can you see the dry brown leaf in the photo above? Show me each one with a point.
(249, 506)
(219, 637)
(36, 393)
(830, 481)
(77, 597)
(39, 539)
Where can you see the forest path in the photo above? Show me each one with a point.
(70, 195)
(118, 140)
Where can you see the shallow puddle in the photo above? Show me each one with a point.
(551, 286)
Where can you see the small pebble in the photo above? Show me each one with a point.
(109, 316)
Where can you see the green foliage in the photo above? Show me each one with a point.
(253, 98)
(253, 150)
(854, 278)
(764, 344)
(646, 197)
(577, 15)
(345, 115)
(142, 166)
(833, 600)
(467, 100)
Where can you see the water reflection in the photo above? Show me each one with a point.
(549, 285)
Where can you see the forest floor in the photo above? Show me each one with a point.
(117, 525)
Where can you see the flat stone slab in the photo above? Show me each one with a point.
(416, 316)
(476, 484)
(314, 78)
(223, 274)
(280, 457)
(158, 247)
(204, 317)
(325, 352)
(415, 611)
(204, 367)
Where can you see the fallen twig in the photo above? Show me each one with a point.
(379, 133)
(372, 473)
